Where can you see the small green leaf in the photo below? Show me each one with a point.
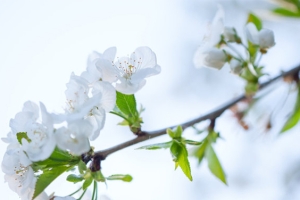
(81, 167)
(125, 178)
(47, 177)
(74, 178)
(183, 161)
(214, 164)
(57, 158)
(255, 20)
(295, 117)
(176, 132)
(61, 155)
(126, 104)
(200, 152)
(191, 142)
(175, 151)
(98, 176)
(87, 183)
(285, 12)
(124, 123)
(22, 135)
(157, 146)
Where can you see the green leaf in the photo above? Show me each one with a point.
(60, 155)
(98, 176)
(126, 104)
(22, 135)
(164, 145)
(286, 12)
(182, 160)
(124, 123)
(57, 158)
(47, 177)
(74, 178)
(214, 164)
(295, 117)
(87, 183)
(81, 167)
(175, 133)
(175, 151)
(125, 178)
(255, 20)
(200, 152)
(191, 142)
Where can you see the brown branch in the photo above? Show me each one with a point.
(145, 135)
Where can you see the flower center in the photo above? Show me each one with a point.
(128, 66)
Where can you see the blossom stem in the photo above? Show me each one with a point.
(259, 59)
(145, 135)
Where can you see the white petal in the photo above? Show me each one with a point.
(74, 137)
(266, 38)
(92, 57)
(209, 57)
(30, 106)
(18, 124)
(77, 92)
(108, 93)
(235, 66)
(91, 74)
(144, 55)
(97, 119)
(108, 72)
(144, 73)
(229, 34)
(220, 15)
(127, 87)
(46, 117)
(110, 53)
(252, 33)
(80, 113)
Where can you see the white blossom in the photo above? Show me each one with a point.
(133, 70)
(264, 38)
(18, 172)
(216, 28)
(41, 142)
(76, 93)
(210, 57)
(74, 138)
(99, 67)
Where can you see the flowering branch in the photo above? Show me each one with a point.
(147, 135)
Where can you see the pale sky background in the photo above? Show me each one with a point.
(42, 42)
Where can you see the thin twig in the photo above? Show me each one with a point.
(145, 135)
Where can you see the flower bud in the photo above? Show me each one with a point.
(210, 57)
(230, 34)
(266, 38)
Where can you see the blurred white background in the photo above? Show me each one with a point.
(42, 42)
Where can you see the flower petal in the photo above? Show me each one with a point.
(108, 93)
(144, 55)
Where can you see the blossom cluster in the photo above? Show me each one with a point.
(89, 97)
(218, 46)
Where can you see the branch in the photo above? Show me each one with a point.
(145, 135)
